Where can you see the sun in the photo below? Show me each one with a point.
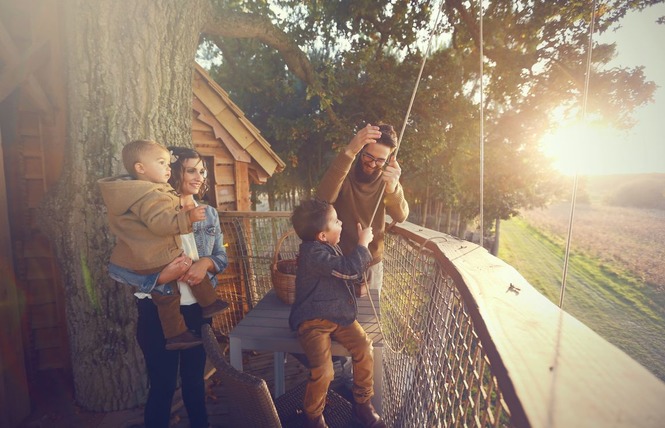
(575, 148)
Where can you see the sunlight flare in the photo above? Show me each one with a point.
(579, 147)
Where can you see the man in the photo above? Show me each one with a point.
(354, 189)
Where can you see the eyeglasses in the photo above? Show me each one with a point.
(370, 158)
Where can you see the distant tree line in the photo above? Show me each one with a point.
(641, 192)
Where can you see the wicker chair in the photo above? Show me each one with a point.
(251, 404)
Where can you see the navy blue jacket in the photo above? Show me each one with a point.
(324, 283)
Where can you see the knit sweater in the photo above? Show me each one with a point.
(324, 283)
(355, 202)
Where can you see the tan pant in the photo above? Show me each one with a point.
(168, 306)
(315, 338)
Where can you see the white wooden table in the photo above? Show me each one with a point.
(266, 328)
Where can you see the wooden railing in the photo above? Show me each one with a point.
(468, 342)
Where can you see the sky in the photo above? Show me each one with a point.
(640, 41)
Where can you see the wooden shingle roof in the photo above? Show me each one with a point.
(230, 125)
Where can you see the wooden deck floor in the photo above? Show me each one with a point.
(217, 396)
(57, 410)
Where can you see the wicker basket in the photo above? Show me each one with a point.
(283, 274)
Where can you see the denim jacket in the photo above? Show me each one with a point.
(209, 243)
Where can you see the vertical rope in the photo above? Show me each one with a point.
(585, 98)
(413, 97)
(401, 134)
(482, 130)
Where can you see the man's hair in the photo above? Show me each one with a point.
(388, 135)
(309, 218)
(132, 152)
(178, 158)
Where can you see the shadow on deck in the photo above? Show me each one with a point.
(54, 408)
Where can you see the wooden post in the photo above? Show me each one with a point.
(14, 394)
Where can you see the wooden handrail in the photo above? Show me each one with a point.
(552, 369)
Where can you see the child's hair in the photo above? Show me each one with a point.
(309, 218)
(388, 135)
(178, 158)
(132, 152)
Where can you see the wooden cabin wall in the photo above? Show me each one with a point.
(228, 177)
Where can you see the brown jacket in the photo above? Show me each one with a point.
(355, 202)
(147, 221)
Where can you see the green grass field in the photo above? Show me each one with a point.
(612, 302)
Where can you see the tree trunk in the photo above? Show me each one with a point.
(425, 207)
(439, 214)
(457, 225)
(449, 220)
(130, 68)
(495, 245)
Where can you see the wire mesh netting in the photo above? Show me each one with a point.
(250, 239)
(436, 373)
(435, 370)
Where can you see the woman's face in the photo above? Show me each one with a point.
(193, 176)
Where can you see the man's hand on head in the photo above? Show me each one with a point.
(367, 135)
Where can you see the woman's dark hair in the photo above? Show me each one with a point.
(309, 218)
(178, 156)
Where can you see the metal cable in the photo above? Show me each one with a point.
(585, 98)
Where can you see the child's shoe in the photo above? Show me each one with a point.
(317, 422)
(367, 416)
(183, 341)
(215, 308)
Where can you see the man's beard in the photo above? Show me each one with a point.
(362, 176)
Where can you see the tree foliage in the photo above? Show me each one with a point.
(364, 57)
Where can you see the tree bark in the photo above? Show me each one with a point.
(129, 76)
(449, 220)
(495, 244)
(423, 222)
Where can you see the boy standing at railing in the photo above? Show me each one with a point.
(325, 308)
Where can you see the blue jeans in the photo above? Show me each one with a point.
(162, 367)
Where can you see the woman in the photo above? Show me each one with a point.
(204, 247)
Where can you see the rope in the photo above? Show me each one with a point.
(401, 134)
(482, 130)
(408, 110)
(585, 98)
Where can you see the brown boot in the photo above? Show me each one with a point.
(183, 341)
(215, 308)
(317, 422)
(367, 416)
